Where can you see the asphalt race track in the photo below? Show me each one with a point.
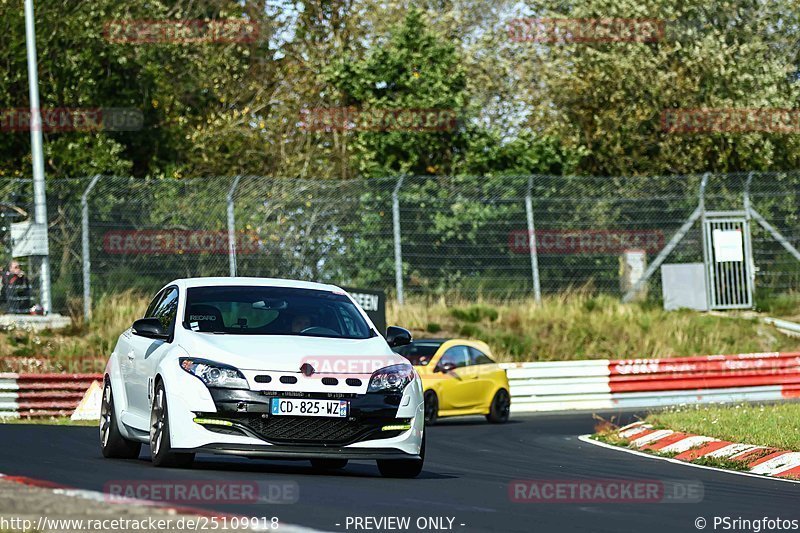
(467, 473)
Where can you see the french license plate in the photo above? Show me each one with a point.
(300, 407)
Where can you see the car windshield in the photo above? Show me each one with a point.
(247, 310)
(419, 353)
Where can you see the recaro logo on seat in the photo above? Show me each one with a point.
(200, 318)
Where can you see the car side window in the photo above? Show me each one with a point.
(455, 355)
(167, 309)
(152, 307)
(477, 357)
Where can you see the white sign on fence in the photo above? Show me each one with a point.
(728, 245)
(28, 238)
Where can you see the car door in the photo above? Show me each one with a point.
(147, 352)
(458, 390)
(127, 358)
(486, 374)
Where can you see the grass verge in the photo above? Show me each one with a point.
(583, 326)
(774, 426)
(53, 421)
(578, 325)
(777, 425)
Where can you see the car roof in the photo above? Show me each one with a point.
(454, 340)
(252, 282)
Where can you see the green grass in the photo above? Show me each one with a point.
(782, 305)
(52, 421)
(776, 425)
(578, 325)
(583, 326)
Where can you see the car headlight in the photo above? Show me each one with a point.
(391, 378)
(214, 374)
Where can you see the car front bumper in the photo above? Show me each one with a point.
(250, 430)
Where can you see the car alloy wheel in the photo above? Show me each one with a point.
(160, 446)
(112, 443)
(431, 407)
(500, 408)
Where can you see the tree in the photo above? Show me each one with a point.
(609, 96)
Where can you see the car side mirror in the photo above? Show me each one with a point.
(150, 328)
(445, 367)
(396, 336)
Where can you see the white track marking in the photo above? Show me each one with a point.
(686, 444)
(779, 464)
(730, 450)
(625, 434)
(652, 437)
(588, 439)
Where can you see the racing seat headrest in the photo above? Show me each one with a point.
(207, 317)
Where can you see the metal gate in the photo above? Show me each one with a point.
(728, 257)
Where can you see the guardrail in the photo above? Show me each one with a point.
(42, 395)
(545, 386)
(784, 326)
(635, 383)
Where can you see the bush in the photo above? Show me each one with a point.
(474, 313)
(433, 327)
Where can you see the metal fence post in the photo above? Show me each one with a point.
(537, 290)
(697, 214)
(232, 228)
(398, 252)
(701, 205)
(85, 255)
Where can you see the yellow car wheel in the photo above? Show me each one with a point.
(431, 407)
(500, 408)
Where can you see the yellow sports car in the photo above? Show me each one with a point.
(459, 378)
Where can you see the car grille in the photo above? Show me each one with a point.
(311, 430)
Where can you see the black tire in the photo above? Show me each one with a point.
(328, 464)
(160, 450)
(403, 468)
(112, 443)
(500, 408)
(431, 408)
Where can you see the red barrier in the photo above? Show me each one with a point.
(43, 395)
(708, 372)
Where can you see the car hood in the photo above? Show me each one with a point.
(286, 353)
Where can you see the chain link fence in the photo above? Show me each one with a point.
(429, 236)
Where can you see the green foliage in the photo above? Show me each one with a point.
(433, 327)
(474, 313)
(609, 96)
(567, 327)
(415, 69)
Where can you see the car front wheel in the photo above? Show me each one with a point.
(112, 443)
(403, 468)
(160, 449)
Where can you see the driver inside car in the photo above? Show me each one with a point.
(300, 322)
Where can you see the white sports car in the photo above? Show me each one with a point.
(262, 368)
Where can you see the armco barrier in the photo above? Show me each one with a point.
(547, 386)
(40, 395)
(635, 383)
